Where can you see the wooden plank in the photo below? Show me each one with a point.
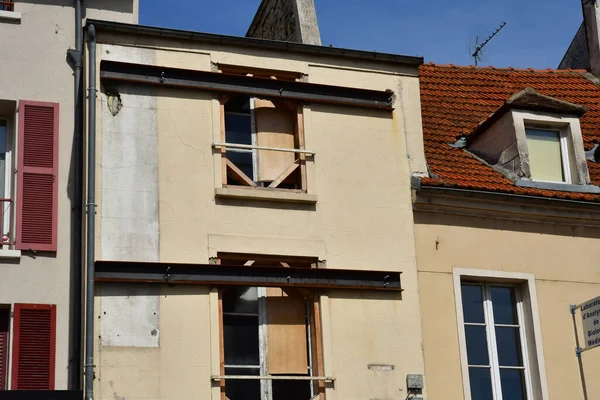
(285, 174)
(238, 174)
(223, 150)
(287, 341)
(317, 340)
(275, 127)
(300, 136)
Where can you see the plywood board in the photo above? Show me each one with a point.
(275, 127)
(286, 333)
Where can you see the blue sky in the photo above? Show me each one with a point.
(443, 31)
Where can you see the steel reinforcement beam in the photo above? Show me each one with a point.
(114, 72)
(212, 274)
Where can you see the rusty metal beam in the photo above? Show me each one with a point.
(255, 275)
(115, 72)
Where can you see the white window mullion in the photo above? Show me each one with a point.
(523, 337)
(564, 150)
(492, 347)
(265, 385)
(254, 141)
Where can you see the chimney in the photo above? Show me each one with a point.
(286, 20)
(591, 19)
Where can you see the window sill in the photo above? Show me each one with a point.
(563, 187)
(10, 16)
(265, 194)
(7, 254)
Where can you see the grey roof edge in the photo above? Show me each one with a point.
(513, 102)
(373, 56)
(487, 194)
(561, 187)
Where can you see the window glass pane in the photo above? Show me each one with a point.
(291, 390)
(3, 134)
(481, 384)
(513, 384)
(241, 389)
(240, 300)
(240, 339)
(508, 341)
(504, 305)
(545, 159)
(240, 326)
(238, 128)
(472, 299)
(242, 160)
(477, 349)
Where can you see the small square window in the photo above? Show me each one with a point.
(548, 155)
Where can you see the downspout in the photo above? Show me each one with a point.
(91, 215)
(77, 227)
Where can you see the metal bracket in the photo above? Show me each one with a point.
(572, 308)
(578, 352)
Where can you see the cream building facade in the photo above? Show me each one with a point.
(37, 268)
(195, 188)
(501, 253)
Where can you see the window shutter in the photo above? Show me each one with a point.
(34, 341)
(4, 330)
(37, 176)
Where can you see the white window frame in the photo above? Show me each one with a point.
(572, 147)
(8, 209)
(531, 337)
(563, 133)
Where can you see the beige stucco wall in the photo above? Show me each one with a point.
(34, 67)
(362, 219)
(566, 270)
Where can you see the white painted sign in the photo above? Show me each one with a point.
(590, 318)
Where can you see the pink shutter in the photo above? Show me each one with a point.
(37, 176)
(34, 345)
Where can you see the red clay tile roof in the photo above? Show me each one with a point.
(454, 100)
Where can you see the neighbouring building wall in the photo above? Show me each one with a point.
(563, 262)
(157, 150)
(577, 55)
(35, 68)
(287, 20)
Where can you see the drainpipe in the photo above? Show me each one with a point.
(77, 227)
(91, 215)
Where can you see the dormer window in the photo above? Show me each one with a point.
(536, 141)
(548, 151)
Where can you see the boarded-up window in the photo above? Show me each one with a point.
(33, 351)
(4, 332)
(252, 124)
(37, 179)
(269, 332)
(286, 326)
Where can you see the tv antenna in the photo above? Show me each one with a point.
(479, 46)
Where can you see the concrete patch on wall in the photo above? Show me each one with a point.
(129, 315)
(129, 200)
(129, 176)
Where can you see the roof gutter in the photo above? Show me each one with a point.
(503, 196)
(504, 206)
(263, 44)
